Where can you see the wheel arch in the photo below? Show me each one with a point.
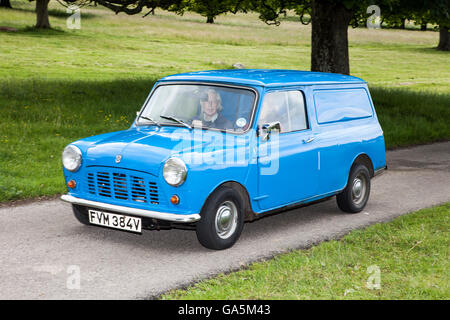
(242, 191)
(365, 160)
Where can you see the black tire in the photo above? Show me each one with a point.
(209, 232)
(348, 200)
(81, 214)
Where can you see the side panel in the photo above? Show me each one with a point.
(342, 136)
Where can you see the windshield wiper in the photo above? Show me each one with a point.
(150, 119)
(177, 120)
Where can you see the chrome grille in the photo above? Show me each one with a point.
(122, 185)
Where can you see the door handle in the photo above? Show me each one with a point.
(310, 139)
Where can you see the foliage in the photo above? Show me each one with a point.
(207, 8)
(421, 11)
(212, 8)
(136, 6)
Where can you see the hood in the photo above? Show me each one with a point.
(146, 149)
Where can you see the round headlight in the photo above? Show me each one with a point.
(71, 158)
(174, 171)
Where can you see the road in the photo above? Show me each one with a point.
(46, 254)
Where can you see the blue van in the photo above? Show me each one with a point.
(210, 150)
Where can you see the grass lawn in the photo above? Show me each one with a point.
(410, 255)
(61, 85)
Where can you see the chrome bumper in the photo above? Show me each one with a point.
(133, 211)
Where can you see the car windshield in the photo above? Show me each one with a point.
(205, 106)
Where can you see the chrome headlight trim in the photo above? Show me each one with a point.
(175, 171)
(72, 158)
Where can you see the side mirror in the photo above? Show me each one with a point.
(267, 129)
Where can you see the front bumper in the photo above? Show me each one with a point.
(132, 211)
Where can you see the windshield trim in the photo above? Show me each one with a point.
(217, 84)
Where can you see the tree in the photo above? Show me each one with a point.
(42, 21)
(136, 6)
(329, 27)
(438, 12)
(330, 20)
(207, 8)
(423, 12)
(5, 4)
(212, 8)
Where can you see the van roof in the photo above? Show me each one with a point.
(264, 77)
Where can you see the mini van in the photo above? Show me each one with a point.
(210, 150)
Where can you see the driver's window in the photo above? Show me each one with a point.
(274, 108)
(287, 107)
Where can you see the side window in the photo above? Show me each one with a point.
(287, 107)
(341, 105)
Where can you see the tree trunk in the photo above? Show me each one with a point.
(329, 40)
(209, 19)
(444, 39)
(423, 26)
(42, 14)
(5, 4)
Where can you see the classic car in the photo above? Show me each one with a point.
(210, 150)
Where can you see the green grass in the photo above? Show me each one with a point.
(42, 117)
(410, 252)
(60, 85)
(412, 117)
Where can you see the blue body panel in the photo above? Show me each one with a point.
(304, 171)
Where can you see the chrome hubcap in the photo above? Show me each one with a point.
(226, 219)
(359, 189)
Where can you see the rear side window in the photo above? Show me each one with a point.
(342, 105)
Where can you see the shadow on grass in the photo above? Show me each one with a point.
(38, 101)
(407, 117)
(37, 32)
(69, 92)
(59, 13)
(53, 32)
(432, 50)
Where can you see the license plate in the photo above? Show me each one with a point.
(116, 221)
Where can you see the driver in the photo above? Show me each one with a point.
(211, 107)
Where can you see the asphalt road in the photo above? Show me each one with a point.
(46, 254)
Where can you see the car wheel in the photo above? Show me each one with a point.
(81, 214)
(356, 194)
(222, 220)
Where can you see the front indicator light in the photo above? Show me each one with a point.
(72, 184)
(175, 199)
